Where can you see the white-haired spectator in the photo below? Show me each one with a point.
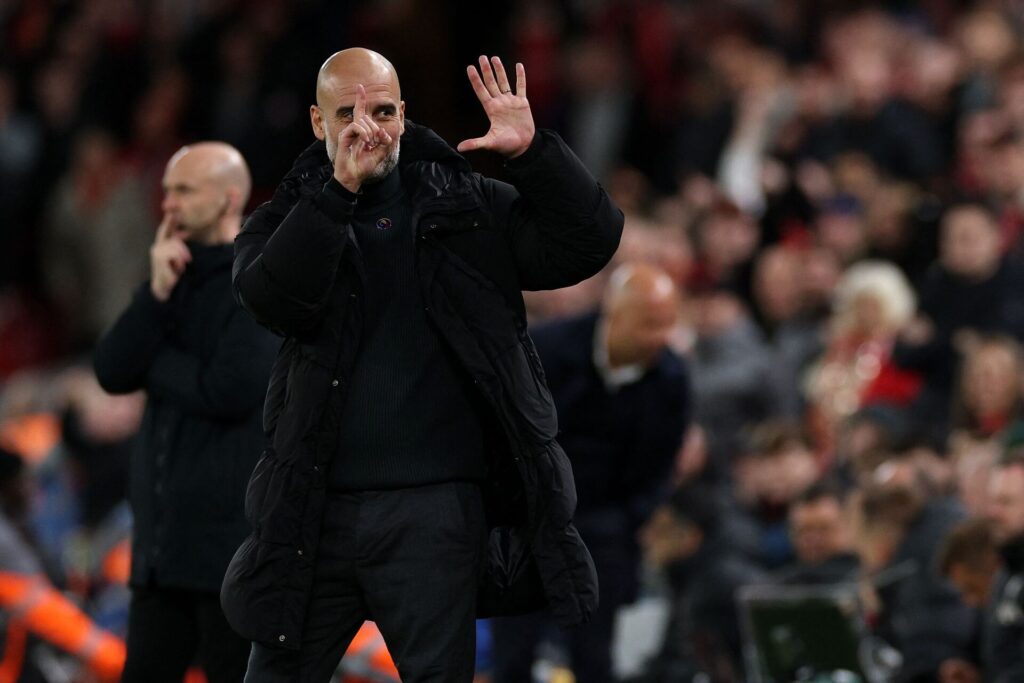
(871, 304)
(873, 299)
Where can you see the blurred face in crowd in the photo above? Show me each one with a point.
(844, 233)
(778, 284)
(986, 38)
(970, 245)
(716, 312)
(818, 530)
(991, 380)
(975, 584)
(1004, 174)
(785, 474)
(336, 96)
(869, 316)
(728, 238)
(974, 460)
(1006, 502)
(1011, 92)
(875, 544)
(665, 538)
(821, 272)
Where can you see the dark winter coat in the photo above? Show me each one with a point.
(622, 443)
(479, 242)
(204, 366)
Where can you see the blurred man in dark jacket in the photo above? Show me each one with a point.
(688, 539)
(917, 612)
(1003, 630)
(970, 560)
(204, 366)
(623, 406)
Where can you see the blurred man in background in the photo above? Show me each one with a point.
(204, 366)
(623, 406)
(1002, 650)
(689, 540)
(822, 544)
(915, 611)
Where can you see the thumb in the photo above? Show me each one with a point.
(471, 144)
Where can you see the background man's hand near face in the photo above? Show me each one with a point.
(168, 258)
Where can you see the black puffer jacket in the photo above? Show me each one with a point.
(480, 242)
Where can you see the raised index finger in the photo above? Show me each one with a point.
(359, 110)
(166, 228)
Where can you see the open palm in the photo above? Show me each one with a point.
(512, 128)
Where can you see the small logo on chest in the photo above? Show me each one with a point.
(383, 223)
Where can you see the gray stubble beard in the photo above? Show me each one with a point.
(386, 165)
(384, 168)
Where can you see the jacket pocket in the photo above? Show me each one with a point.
(510, 584)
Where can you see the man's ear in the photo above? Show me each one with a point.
(401, 117)
(316, 118)
(234, 201)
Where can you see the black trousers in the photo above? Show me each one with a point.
(169, 630)
(407, 559)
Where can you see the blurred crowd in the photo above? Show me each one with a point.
(836, 190)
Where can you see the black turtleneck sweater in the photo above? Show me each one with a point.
(410, 418)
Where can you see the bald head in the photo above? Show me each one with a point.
(348, 68)
(641, 309)
(218, 163)
(206, 187)
(639, 284)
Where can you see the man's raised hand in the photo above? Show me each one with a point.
(512, 128)
(362, 146)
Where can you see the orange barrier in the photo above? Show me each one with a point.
(46, 613)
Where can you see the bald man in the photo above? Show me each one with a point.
(204, 366)
(623, 406)
(413, 476)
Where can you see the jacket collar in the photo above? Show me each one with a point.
(419, 143)
(207, 259)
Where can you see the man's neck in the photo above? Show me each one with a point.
(223, 233)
